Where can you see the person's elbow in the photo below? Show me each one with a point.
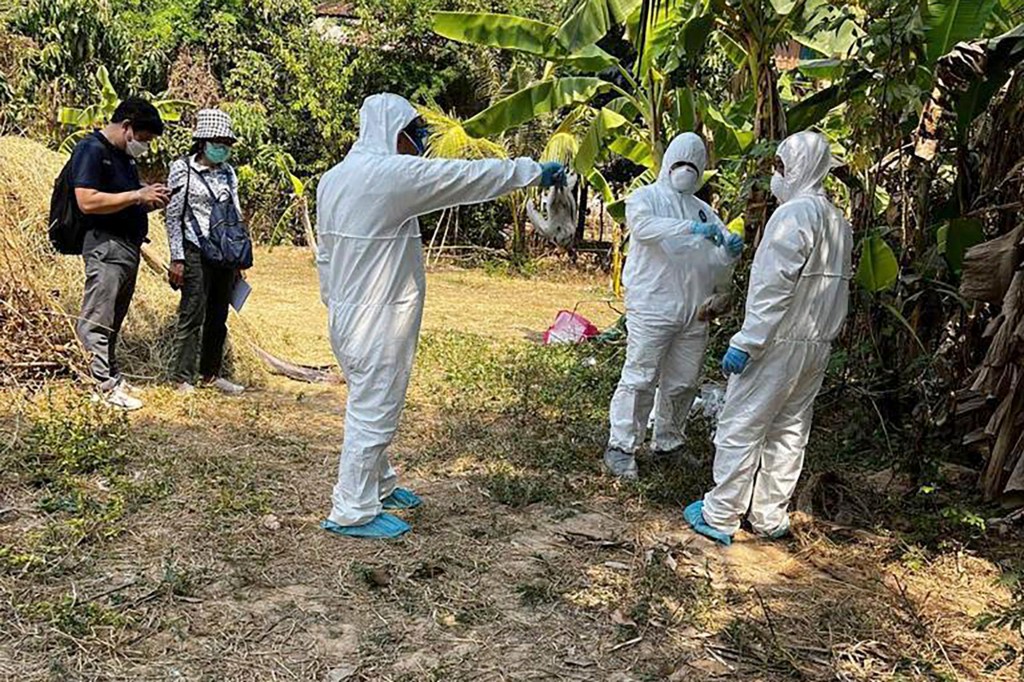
(88, 200)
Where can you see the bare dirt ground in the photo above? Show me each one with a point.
(183, 543)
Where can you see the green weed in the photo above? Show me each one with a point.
(517, 489)
(75, 456)
(73, 617)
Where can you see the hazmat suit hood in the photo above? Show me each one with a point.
(381, 118)
(685, 147)
(807, 159)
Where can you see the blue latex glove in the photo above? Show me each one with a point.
(552, 173)
(734, 361)
(734, 244)
(709, 231)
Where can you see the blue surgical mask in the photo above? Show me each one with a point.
(216, 152)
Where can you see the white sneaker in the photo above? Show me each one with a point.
(130, 389)
(226, 387)
(186, 388)
(118, 397)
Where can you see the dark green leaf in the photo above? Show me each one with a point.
(591, 20)
(947, 22)
(603, 125)
(878, 268)
(696, 34)
(528, 103)
(813, 109)
(955, 237)
(494, 30)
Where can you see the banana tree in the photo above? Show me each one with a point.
(298, 203)
(88, 118)
(634, 107)
(628, 110)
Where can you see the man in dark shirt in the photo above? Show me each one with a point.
(114, 204)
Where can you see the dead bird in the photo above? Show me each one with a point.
(560, 206)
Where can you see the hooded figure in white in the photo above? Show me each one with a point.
(679, 254)
(796, 305)
(372, 281)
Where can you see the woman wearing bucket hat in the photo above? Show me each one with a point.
(204, 207)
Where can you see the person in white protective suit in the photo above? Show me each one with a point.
(679, 254)
(372, 281)
(796, 305)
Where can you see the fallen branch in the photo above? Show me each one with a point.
(310, 374)
(623, 645)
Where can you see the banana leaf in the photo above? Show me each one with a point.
(878, 269)
(813, 109)
(604, 124)
(947, 22)
(528, 103)
(601, 185)
(637, 151)
(591, 20)
(730, 141)
(509, 32)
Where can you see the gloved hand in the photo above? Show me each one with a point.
(735, 361)
(709, 231)
(734, 244)
(552, 173)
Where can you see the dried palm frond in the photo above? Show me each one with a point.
(449, 140)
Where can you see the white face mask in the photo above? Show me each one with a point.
(684, 179)
(135, 148)
(780, 188)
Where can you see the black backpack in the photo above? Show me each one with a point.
(67, 224)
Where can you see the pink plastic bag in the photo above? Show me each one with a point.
(570, 327)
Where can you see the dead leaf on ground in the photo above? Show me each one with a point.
(620, 618)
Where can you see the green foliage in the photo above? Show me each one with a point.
(950, 21)
(74, 38)
(878, 269)
(76, 454)
(86, 119)
(530, 102)
(75, 440)
(955, 237)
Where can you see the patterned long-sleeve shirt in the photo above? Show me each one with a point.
(222, 180)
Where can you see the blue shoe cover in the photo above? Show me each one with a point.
(382, 526)
(694, 515)
(401, 498)
(780, 532)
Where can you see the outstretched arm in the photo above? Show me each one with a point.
(429, 185)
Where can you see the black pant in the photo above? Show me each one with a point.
(111, 266)
(202, 314)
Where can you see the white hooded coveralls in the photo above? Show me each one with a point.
(372, 281)
(796, 305)
(669, 273)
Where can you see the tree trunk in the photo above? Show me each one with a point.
(769, 124)
(307, 225)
